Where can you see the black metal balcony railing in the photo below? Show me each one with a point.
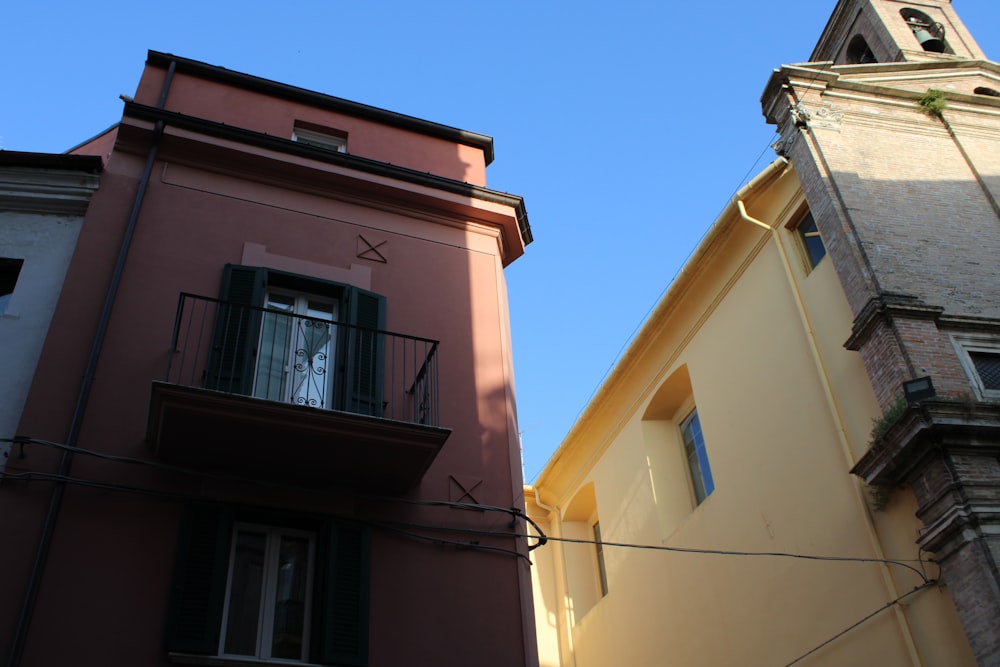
(291, 358)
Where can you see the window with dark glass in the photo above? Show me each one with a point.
(269, 593)
(987, 365)
(812, 243)
(10, 269)
(267, 586)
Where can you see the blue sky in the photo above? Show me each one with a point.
(626, 126)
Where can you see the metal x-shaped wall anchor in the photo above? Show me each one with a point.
(370, 250)
(460, 489)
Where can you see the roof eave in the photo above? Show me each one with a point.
(329, 102)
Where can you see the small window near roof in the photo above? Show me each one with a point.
(10, 269)
(812, 243)
(330, 141)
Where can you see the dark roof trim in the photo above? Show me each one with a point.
(337, 104)
(90, 164)
(280, 144)
(93, 138)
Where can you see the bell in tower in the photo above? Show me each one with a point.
(930, 34)
(887, 31)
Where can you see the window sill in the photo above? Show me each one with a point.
(226, 661)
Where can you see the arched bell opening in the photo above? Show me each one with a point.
(858, 52)
(929, 33)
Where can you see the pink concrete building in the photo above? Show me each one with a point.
(273, 419)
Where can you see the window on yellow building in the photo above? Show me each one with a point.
(810, 240)
(602, 569)
(697, 458)
(676, 452)
(586, 574)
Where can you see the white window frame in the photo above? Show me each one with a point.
(331, 142)
(964, 344)
(290, 380)
(269, 584)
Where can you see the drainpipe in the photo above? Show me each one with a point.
(835, 411)
(562, 585)
(66, 462)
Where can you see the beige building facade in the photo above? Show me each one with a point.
(724, 439)
(797, 460)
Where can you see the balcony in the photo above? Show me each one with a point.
(293, 397)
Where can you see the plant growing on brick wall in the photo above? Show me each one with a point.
(933, 102)
(888, 418)
(881, 493)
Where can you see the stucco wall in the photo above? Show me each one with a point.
(45, 243)
(754, 340)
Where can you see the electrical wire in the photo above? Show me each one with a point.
(513, 512)
(156, 465)
(772, 554)
(170, 496)
(407, 529)
(926, 584)
(715, 552)
(438, 540)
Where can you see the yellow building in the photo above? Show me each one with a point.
(724, 439)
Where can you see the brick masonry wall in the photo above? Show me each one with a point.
(953, 488)
(977, 604)
(932, 353)
(920, 217)
(902, 212)
(887, 368)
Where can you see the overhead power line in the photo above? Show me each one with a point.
(407, 527)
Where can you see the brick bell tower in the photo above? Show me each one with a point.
(894, 128)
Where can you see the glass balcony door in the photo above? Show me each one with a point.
(296, 347)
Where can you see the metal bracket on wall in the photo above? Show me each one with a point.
(369, 250)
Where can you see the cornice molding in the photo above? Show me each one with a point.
(883, 309)
(50, 191)
(354, 162)
(926, 429)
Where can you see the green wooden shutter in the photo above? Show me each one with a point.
(194, 617)
(364, 361)
(232, 360)
(341, 611)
